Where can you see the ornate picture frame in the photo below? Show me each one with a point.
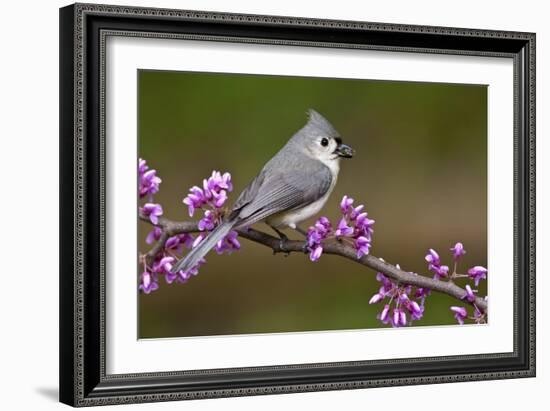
(84, 30)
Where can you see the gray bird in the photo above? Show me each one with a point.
(292, 187)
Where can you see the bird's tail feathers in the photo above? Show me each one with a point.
(197, 253)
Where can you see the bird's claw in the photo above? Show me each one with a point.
(282, 246)
(305, 247)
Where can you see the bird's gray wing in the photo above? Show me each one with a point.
(248, 194)
(287, 189)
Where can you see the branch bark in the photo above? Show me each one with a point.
(171, 228)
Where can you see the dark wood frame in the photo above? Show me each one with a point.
(83, 29)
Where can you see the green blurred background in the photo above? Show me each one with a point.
(420, 169)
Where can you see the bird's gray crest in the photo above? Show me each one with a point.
(319, 123)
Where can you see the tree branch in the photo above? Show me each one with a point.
(171, 228)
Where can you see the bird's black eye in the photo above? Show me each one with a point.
(324, 142)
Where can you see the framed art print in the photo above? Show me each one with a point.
(262, 204)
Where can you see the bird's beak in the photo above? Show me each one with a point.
(344, 151)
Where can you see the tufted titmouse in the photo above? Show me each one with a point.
(293, 186)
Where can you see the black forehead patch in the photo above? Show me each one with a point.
(338, 140)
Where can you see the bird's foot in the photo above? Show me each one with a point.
(282, 245)
(305, 247)
(282, 242)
